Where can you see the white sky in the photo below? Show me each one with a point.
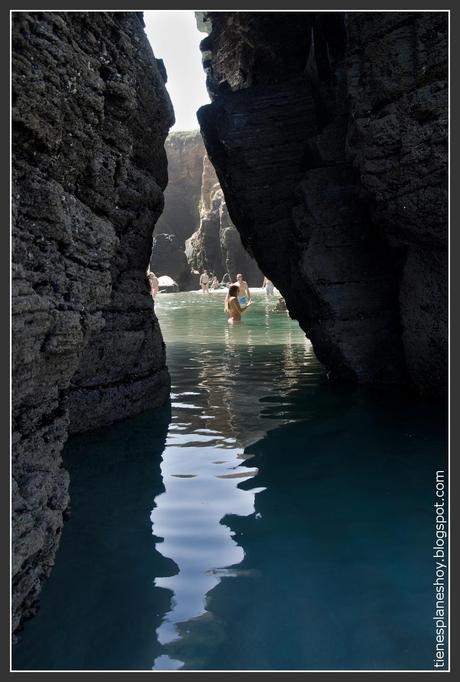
(175, 39)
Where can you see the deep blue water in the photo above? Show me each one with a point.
(266, 519)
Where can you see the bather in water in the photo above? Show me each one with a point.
(232, 306)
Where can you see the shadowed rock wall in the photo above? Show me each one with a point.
(90, 116)
(328, 134)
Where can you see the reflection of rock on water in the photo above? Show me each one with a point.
(218, 402)
(336, 574)
(188, 516)
(100, 608)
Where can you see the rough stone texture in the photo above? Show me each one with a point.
(90, 116)
(181, 216)
(195, 231)
(397, 139)
(216, 245)
(185, 151)
(328, 134)
(168, 258)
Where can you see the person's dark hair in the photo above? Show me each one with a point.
(232, 291)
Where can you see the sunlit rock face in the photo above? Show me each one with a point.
(181, 217)
(216, 245)
(195, 231)
(328, 134)
(90, 116)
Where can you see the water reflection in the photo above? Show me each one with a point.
(291, 519)
(336, 570)
(201, 464)
(100, 609)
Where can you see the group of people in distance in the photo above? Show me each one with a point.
(237, 299)
(208, 282)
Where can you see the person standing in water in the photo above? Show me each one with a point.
(244, 295)
(269, 286)
(232, 305)
(154, 284)
(204, 282)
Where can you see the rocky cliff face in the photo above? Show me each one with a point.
(328, 134)
(181, 216)
(195, 231)
(90, 116)
(185, 151)
(216, 246)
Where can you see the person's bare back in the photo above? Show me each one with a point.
(234, 310)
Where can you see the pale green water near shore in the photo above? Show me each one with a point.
(269, 521)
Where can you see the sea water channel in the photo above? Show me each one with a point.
(265, 520)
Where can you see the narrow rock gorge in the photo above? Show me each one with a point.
(195, 231)
(90, 117)
(216, 245)
(328, 132)
(326, 169)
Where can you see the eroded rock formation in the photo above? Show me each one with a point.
(181, 217)
(168, 258)
(195, 231)
(185, 151)
(216, 245)
(90, 116)
(328, 134)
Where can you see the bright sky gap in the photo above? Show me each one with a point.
(175, 39)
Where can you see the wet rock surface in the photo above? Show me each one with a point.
(328, 135)
(90, 116)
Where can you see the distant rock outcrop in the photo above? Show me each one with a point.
(168, 258)
(185, 152)
(195, 231)
(90, 116)
(216, 245)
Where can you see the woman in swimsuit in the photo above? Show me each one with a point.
(232, 306)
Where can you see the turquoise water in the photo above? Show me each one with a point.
(266, 520)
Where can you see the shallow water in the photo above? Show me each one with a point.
(266, 520)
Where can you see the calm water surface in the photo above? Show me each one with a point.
(264, 520)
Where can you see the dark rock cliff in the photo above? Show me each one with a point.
(328, 133)
(90, 116)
